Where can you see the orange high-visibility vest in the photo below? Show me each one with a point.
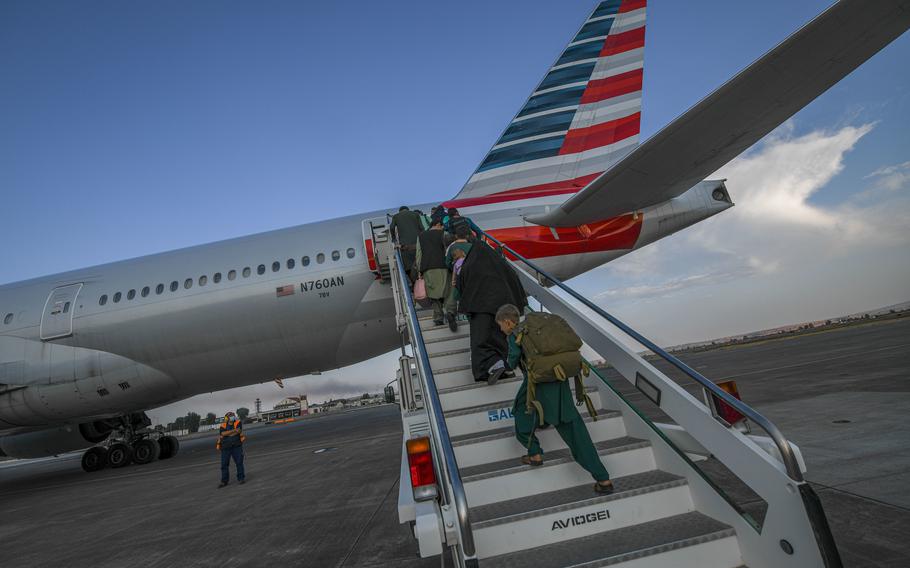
(226, 426)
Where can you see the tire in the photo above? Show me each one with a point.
(94, 459)
(145, 451)
(169, 447)
(119, 455)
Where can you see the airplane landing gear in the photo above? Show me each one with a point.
(132, 441)
(94, 459)
(119, 455)
(169, 447)
(145, 451)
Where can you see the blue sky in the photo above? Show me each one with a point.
(128, 128)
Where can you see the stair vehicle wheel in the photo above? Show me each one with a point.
(169, 447)
(94, 459)
(119, 455)
(145, 451)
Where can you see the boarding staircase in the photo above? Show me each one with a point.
(490, 510)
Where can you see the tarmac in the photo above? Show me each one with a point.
(323, 491)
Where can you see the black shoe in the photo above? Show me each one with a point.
(453, 323)
(494, 376)
(438, 321)
(242, 481)
(222, 484)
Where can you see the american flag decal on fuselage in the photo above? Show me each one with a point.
(583, 116)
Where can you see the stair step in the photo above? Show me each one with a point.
(510, 479)
(505, 467)
(680, 534)
(448, 342)
(509, 431)
(576, 512)
(526, 507)
(427, 325)
(492, 415)
(476, 393)
(449, 359)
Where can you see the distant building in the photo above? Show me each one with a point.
(287, 410)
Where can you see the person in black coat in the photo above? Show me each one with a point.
(485, 283)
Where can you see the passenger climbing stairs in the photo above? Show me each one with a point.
(489, 509)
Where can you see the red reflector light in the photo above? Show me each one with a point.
(724, 411)
(420, 462)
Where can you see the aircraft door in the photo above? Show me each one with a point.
(378, 244)
(57, 318)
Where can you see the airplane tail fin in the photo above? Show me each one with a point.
(582, 118)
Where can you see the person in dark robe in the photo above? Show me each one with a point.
(406, 227)
(485, 283)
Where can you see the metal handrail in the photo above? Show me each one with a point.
(431, 395)
(783, 445)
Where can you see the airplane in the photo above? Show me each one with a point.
(83, 354)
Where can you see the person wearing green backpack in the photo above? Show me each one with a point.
(547, 350)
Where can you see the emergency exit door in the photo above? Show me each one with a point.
(57, 319)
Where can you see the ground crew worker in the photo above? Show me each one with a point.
(230, 442)
(558, 411)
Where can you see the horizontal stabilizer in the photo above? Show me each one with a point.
(739, 113)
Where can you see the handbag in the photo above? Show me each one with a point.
(420, 289)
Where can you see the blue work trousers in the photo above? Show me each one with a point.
(226, 454)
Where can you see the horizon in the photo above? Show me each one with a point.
(154, 127)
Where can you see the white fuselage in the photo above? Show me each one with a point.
(136, 351)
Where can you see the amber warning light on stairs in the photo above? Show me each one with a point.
(721, 409)
(420, 463)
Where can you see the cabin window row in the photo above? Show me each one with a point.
(216, 278)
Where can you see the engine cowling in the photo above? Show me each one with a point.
(54, 441)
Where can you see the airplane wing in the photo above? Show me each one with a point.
(740, 112)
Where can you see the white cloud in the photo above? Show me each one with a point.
(892, 178)
(777, 256)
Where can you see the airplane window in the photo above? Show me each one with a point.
(216, 278)
(291, 263)
(336, 255)
(131, 294)
(320, 258)
(305, 261)
(203, 280)
(246, 272)
(351, 253)
(232, 274)
(102, 300)
(117, 297)
(159, 289)
(174, 286)
(188, 283)
(260, 269)
(276, 266)
(145, 291)
(8, 319)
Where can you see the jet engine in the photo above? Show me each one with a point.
(43, 443)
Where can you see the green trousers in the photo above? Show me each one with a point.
(574, 433)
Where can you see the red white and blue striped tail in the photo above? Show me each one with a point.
(582, 118)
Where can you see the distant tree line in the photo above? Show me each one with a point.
(192, 420)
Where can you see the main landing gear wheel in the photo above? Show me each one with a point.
(169, 447)
(119, 455)
(145, 451)
(94, 459)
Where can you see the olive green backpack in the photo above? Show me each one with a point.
(550, 352)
